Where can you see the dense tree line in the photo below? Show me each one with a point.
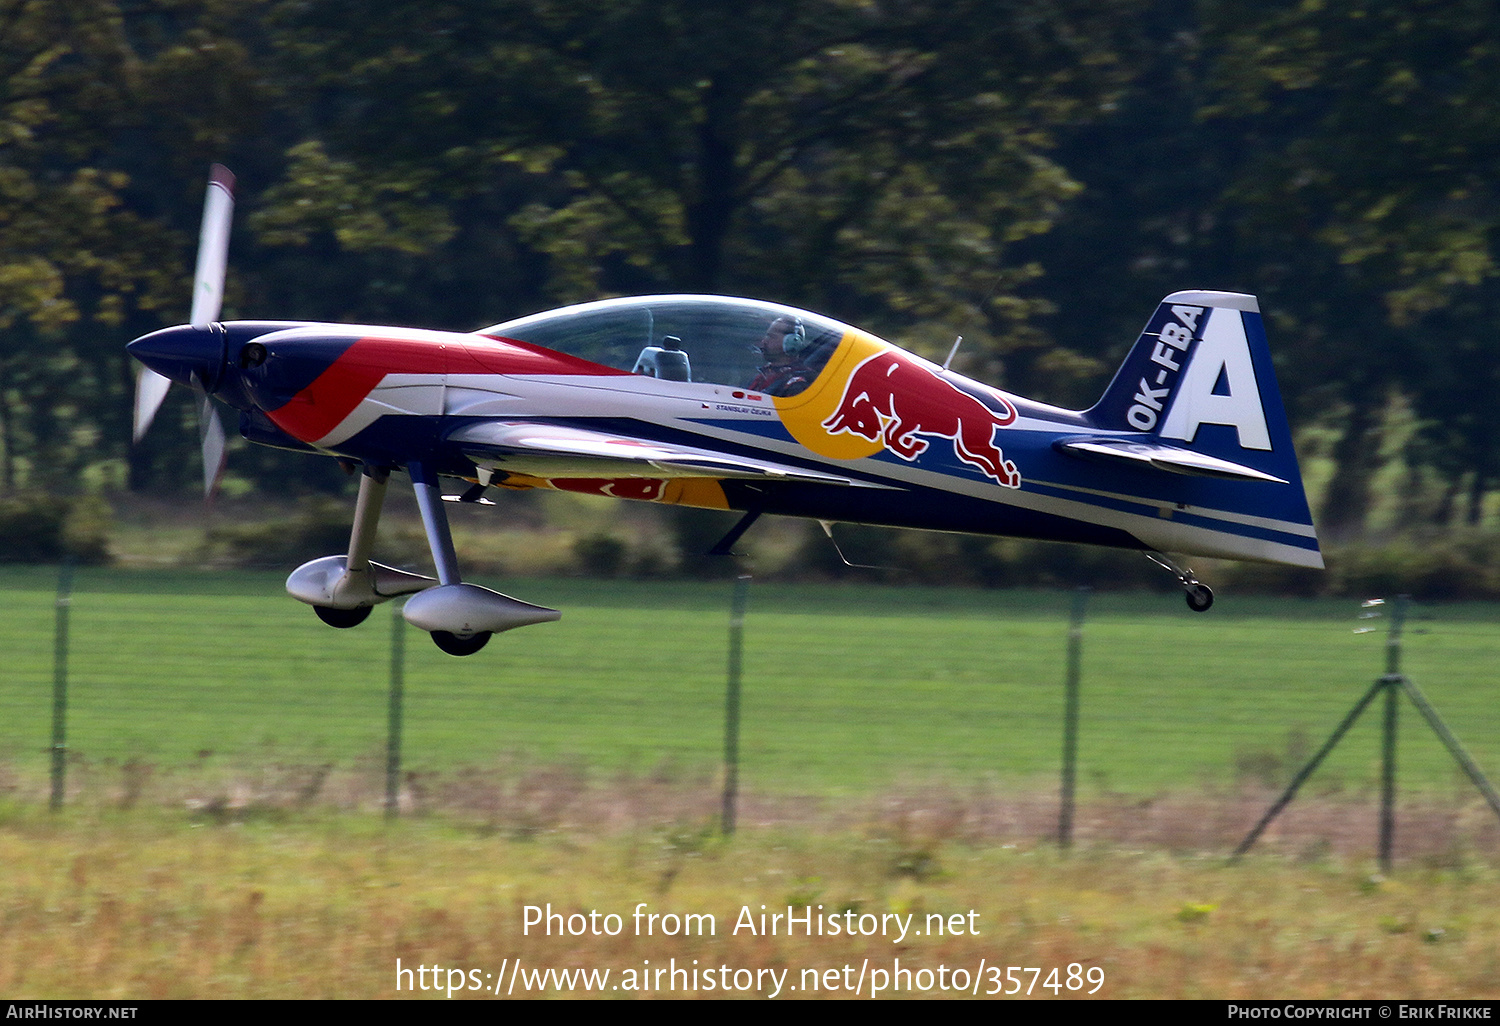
(1031, 174)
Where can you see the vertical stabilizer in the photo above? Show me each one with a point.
(1197, 396)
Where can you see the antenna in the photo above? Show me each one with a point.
(956, 342)
(952, 353)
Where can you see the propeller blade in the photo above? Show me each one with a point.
(213, 248)
(150, 391)
(211, 437)
(211, 430)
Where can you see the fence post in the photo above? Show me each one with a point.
(1070, 718)
(1388, 775)
(393, 720)
(732, 704)
(60, 683)
(1392, 681)
(1393, 636)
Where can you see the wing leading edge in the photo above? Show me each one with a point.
(547, 450)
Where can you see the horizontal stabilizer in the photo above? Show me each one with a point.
(557, 451)
(1170, 458)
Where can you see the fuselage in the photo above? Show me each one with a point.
(913, 445)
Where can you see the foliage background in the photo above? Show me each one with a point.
(1032, 175)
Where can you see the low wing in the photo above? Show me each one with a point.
(557, 451)
(1155, 455)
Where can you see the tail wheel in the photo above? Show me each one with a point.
(456, 646)
(1199, 597)
(342, 618)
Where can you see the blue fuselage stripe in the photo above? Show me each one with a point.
(1150, 507)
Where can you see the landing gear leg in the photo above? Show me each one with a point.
(460, 617)
(342, 589)
(372, 484)
(1199, 596)
(361, 543)
(435, 523)
(440, 541)
(367, 507)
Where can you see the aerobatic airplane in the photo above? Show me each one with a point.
(739, 404)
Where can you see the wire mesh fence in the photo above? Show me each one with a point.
(944, 707)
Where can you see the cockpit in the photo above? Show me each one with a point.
(742, 343)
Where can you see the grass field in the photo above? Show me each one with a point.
(846, 689)
(900, 754)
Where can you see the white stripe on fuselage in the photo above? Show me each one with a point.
(680, 405)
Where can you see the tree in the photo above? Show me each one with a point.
(71, 252)
(1338, 160)
(103, 105)
(1371, 191)
(873, 159)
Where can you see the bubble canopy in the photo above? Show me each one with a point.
(714, 339)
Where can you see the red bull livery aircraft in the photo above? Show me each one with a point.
(739, 404)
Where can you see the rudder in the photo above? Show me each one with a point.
(1197, 395)
(1200, 376)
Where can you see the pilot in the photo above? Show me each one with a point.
(783, 372)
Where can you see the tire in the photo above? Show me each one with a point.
(343, 619)
(456, 646)
(1199, 597)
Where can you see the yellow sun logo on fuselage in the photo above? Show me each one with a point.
(806, 413)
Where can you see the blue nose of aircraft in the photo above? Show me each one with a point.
(182, 353)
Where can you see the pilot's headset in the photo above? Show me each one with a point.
(795, 342)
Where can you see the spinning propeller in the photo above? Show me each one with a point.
(208, 299)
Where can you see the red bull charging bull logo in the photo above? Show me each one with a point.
(886, 399)
(895, 400)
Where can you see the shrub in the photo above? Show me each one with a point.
(319, 528)
(1454, 565)
(40, 528)
(599, 555)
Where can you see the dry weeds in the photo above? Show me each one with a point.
(522, 799)
(284, 881)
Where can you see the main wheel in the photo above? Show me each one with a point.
(1199, 597)
(456, 646)
(342, 618)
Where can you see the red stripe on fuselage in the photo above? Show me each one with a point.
(322, 406)
(512, 356)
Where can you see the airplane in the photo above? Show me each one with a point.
(745, 405)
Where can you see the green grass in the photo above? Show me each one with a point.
(926, 722)
(847, 689)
